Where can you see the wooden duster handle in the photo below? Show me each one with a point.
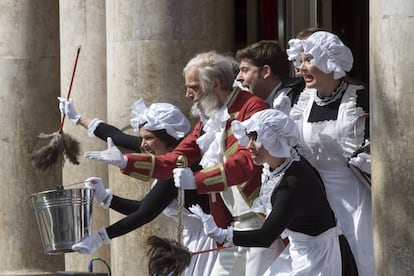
(70, 86)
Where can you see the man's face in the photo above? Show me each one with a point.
(250, 76)
(192, 84)
(204, 101)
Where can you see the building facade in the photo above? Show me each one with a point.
(137, 49)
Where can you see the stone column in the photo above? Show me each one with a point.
(82, 23)
(29, 85)
(392, 132)
(148, 44)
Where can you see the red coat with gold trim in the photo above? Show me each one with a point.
(238, 169)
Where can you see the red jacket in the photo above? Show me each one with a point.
(238, 169)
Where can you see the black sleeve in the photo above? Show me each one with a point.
(148, 209)
(296, 85)
(282, 212)
(363, 102)
(120, 139)
(141, 212)
(193, 197)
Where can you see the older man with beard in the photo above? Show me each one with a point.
(228, 173)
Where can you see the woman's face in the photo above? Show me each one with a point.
(150, 143)
(314, 78)
(259, 154)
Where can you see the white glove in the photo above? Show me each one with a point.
(66, 107)
(112, 155)
(219, 235)
(362, 161)
(282, 103)
(184, 179)
(89, 244)
(104, 197)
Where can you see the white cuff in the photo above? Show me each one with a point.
(124, 162)
(107, 202)
(104, 235)
(92, 127)
(76, 119)
(229, 236)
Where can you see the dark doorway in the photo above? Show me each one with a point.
(350, 21)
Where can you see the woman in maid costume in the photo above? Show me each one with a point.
(293, 198)
(332, 116)
(159, 128)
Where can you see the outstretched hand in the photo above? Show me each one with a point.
(199, 213)
(210, 227)
(112, 155)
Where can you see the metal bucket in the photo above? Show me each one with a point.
(64, 217)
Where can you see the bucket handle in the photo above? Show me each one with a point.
(61, 187)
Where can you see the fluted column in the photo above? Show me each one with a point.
(392, 132)
(29, 85)
(148, 44)
(82, 22)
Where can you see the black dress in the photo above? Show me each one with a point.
(299, 204)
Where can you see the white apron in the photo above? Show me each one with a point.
(309, 255)
(328, 143)
(194, 239)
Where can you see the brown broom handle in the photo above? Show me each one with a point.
(70, 86)
(210, 250)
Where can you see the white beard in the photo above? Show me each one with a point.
(209, 105)
(195, 111)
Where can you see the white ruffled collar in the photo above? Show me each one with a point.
(336, 95)
(210, 143)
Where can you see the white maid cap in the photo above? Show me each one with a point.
(329, 53)
(276, 131)
(159, 116)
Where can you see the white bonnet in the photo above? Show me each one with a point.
(276, 131)
(329, 53)
(159, 116)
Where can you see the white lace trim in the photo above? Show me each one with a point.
(350, 124)
(270, 180)
(92, 127)
(297, 113)
(351, 121)
(336, 95)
